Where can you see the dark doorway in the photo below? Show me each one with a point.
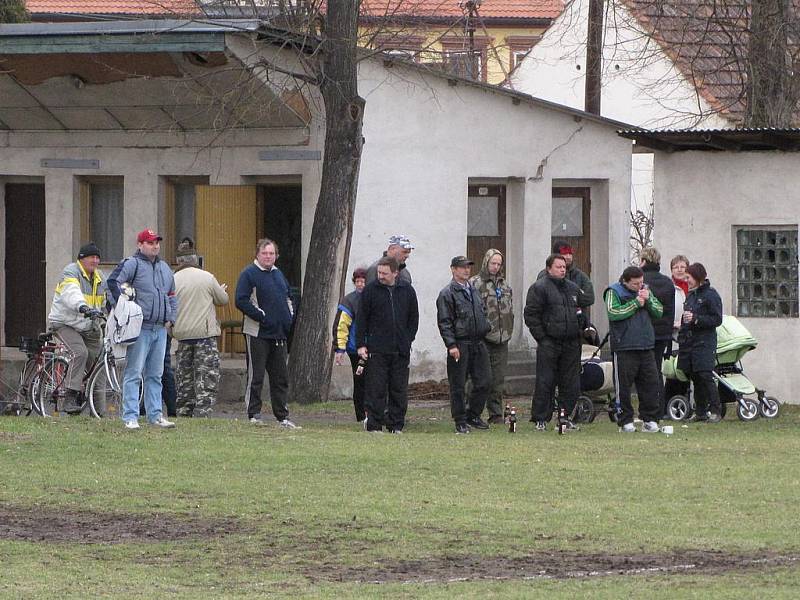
(282, 207)
(571, 212)
(486, 222)
(25, 293)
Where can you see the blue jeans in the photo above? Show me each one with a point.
(146, 360)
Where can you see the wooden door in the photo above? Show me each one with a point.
(225, 227)
(486, 222)
(571, 224)
(25, 293)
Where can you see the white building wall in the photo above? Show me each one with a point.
(426, 140)
(697, 216)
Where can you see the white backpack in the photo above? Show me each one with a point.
(124, 325)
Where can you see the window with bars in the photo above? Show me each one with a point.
(766, 272)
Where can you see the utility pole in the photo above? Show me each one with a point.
(470, 8)
(594, 58)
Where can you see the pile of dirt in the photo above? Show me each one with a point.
(85, 527)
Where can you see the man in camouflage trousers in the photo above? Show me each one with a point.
(495, 294)
(196, 329)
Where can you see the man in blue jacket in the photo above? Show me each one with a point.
(154, 286)
(262, 294)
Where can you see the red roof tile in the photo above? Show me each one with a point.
(489, 9)
(707, 40)
(112, 7)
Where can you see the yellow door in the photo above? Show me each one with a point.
(225, 217)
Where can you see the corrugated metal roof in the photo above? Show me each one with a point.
(128, 27)
(733, 140)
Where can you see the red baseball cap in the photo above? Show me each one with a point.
(148, 235)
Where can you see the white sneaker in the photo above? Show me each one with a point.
(650, 427)
(628, 428)
(256, 420)
(163, 423)
(131, 424)
(287, 424)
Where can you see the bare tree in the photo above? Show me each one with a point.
(740, 55)
(310, 364)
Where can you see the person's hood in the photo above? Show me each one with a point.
(484, 272)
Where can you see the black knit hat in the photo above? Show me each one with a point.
(89, 249)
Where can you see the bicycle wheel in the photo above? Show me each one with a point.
(23, 398)
(50, 385)
(105, 390)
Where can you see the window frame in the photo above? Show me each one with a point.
(743, 286)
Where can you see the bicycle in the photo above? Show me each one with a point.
(102, 387)
(47, 363)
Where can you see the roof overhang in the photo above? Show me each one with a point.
(716, 140)
(136, 76)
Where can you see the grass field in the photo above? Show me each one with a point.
(219, 508)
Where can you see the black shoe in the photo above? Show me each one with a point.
(496, 420)
(477, 423)
(461, 429)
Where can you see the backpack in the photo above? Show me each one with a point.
(124, 325)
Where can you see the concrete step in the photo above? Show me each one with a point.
(519, 385)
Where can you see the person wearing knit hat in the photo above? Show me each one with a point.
(196, 329)
(697, 339)
(77, 302)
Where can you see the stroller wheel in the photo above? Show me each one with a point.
(769, 407)
(678, 408)
(584, 410)
(747, 409)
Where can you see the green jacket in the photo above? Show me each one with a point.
(496, 296)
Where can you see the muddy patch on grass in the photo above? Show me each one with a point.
(547, 565)
(50, 525)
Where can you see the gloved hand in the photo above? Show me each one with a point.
(90, 313)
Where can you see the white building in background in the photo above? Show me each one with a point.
(647, 78)
(110, 127)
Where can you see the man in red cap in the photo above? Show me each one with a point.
(154, 286)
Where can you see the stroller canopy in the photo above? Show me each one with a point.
(733, 340)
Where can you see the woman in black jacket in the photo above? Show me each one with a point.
(702, 314)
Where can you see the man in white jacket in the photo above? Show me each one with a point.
(79, 297)
(196, 330)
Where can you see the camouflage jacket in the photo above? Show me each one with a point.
(496, 296)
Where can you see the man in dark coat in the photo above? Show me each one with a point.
(463, 326)
(556, 322)
(576, 276)
(631, 307)
(386, 325)
(662, 288)
(697, 338)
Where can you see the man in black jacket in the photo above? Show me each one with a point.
(662, 288)
(576, 276)
(386, 325)
(463, 325)
(556, 322)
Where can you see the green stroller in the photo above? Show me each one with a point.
(733, 342)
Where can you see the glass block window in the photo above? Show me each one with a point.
(766, 273)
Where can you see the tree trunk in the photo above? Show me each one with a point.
(328, 254)
(593, 82)
(771, 92)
